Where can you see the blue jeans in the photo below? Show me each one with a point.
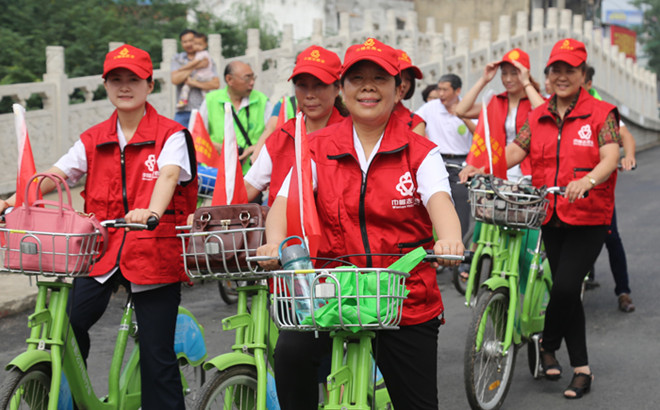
(182, 117)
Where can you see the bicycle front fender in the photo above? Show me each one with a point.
(224, 361)
(28, 359)
(496, 282)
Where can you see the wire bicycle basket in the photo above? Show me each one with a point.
(499, 202)
(346, 298)
(49, 253)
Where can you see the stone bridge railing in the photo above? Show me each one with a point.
(55, 127)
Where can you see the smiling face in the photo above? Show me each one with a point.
(565, 79)
(370, 94)
(126, 90)
(188, 43)
(315, 97)
(510, 78)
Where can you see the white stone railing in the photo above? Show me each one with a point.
(55, 127)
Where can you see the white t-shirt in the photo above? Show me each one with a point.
(432, 176)
(174, 152)
(447, 131)
(261, 171)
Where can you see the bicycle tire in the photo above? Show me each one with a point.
(460, 283)
(227, 291)
(487, 372)
(28, 389)
(236, 385)
(192, 380)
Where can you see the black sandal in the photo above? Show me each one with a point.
(580, 385)
(549, 362)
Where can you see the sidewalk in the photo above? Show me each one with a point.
(18, 292)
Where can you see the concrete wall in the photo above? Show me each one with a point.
(634, 90)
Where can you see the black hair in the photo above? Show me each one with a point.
(187, 31)
(589, 73)
(453, 80)
(411, 90)
(202, 36)
(427, 91)
(229, 68)
(546, 70)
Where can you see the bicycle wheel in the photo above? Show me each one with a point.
(26, 390)
(234, 388)
(228, 291)
(487, 370)
(192, 379)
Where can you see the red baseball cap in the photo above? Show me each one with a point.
(130, 58)
(374, 51)
(516, 55)
(319, 62)
(568, 50)
(405, 63)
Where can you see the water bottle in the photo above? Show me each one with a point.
(296, 257)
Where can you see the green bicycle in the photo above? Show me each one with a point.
(506, 313)
(51, 373)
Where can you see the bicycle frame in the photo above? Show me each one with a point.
(489, 237)
(255, 339)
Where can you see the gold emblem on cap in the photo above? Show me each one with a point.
(370, 42)
(514, 55)
(405, 57)
(315, 54)
(566, 45)
(124, 53)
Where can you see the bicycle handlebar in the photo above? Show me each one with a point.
(151, 224)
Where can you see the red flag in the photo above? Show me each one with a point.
(282, 117)
(489, 143)
(26, 167)
(229, 186)
(204, 149)
(301, 216)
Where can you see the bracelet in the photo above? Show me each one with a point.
(591, 180)
(154, 213)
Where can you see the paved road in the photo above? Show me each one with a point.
(624, 348)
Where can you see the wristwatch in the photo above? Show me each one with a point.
(593, 181)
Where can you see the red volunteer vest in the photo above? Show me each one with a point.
(383, 214)
(281, 148)
(119, 182)
(408, 117)
(524, 108)
(559, 156)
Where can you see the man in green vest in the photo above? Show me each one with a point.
(251, 110)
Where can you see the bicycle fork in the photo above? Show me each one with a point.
(349, 380)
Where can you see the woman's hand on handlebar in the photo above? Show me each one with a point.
(141, 216)
(448, 247)
(577, 189)
(469, 171)
(269, 249)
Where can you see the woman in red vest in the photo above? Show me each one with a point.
(508, 110)
(138, 164)
(409, 73)
(378, 191)
(572, 140)
(316, 82)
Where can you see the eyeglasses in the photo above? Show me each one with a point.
(248, 78)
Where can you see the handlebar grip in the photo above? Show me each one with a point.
(152, 223)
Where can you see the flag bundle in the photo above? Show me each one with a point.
(229, 185)
(204, 149)
(301, 216)
(488, 148)
(26, 167)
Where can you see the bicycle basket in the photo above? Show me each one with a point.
(222, 254)
(48, 253)
(500, 202)
(346, 298)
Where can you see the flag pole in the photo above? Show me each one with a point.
(298, 152)
(486, 100)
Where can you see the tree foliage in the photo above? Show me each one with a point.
(85, 27)
(649, 31)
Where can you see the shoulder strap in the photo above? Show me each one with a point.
(240, 126)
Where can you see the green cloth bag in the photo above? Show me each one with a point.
(366, 289)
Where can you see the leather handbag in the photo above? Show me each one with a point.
(222, 237)
(50, 237)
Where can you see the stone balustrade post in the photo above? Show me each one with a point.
(537, 21)
(430, 25)
(368, 24)
(565, 17)
(411, 21)
(578, 24)
(390, 20)
(485, 36)
(59, 105)
(504, 28)
(287, 37)
(169, 46)
(552, 21)
(462, 40)
(317, 31)
(253, 43)
(344, 24)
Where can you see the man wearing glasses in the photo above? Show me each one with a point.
(250, 110)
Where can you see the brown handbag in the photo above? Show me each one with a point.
(222, 237)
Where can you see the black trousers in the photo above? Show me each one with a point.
(459, 193)
(406, 357)
(156, 311)
(571, 252)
